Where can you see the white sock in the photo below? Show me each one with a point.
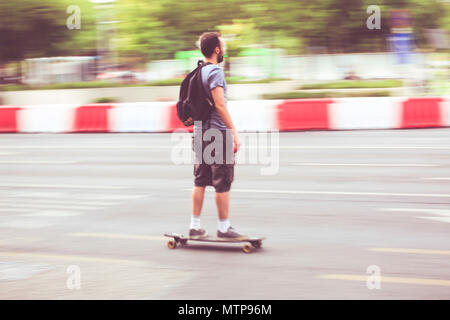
(224, 225)
(195, 223)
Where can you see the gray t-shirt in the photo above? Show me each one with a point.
(213, 76)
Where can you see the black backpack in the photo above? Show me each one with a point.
(194, 103)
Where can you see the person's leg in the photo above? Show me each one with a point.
(222, 178)
(202, 178)
(198, 194)
(195, 229)
(223, 203)
(225, 230)
(224, 226)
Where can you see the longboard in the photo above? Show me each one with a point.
(251, 242)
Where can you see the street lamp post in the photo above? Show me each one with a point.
(109, 47)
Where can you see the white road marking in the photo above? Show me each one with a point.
(413, 251)
(366, 147)
(438, 178)
(102, 146)
(110, 197)
(21, 194)
(58, 186)
(63, 202)
(344, 193)
(26, 224)
(440, 219)
(357, 277)
(73, 258)
(143, 147)
(52, 213)
(89, 196)
(115, 236)
(15, 210)
(10, 271)
(53, 206)
(38, 162)
(366, 164)
(8, 153)
(444, 213)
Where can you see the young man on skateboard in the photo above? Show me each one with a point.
(219, 174)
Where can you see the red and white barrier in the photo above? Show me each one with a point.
(140, 117)
(445, 108)
(303, 114)
(253, 115)
(247, 115)
(365, 113)
(8, 119)
(422, 113)
(46, 118)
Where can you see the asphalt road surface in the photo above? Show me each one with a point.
(347, 215)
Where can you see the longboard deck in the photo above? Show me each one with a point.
(210, 238)
(251, 242)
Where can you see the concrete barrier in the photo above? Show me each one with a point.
(92, 118)
(139, 117)
(8, 119)
(247, 115)
(303, 114)
(46, 118)
(253, 115)
(364, 113)
(421, 113)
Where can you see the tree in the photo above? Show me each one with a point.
(157, 29)
(31, 28)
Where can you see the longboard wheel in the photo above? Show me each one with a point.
(247, 248)
(172, 244)
(257, 244)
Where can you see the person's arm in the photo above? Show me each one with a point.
(219, 101)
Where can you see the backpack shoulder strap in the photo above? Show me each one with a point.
(201, 63)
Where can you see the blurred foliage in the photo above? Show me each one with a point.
(110, 84)
(105, 100)
(325, 94)
(355, 84)
(147, 30)
(31, 28)
(157, 29)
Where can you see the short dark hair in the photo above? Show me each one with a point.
(208, 42)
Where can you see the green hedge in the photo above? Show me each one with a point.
(324, 94)
(105, 100)
(231, 80)
(353, 84)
